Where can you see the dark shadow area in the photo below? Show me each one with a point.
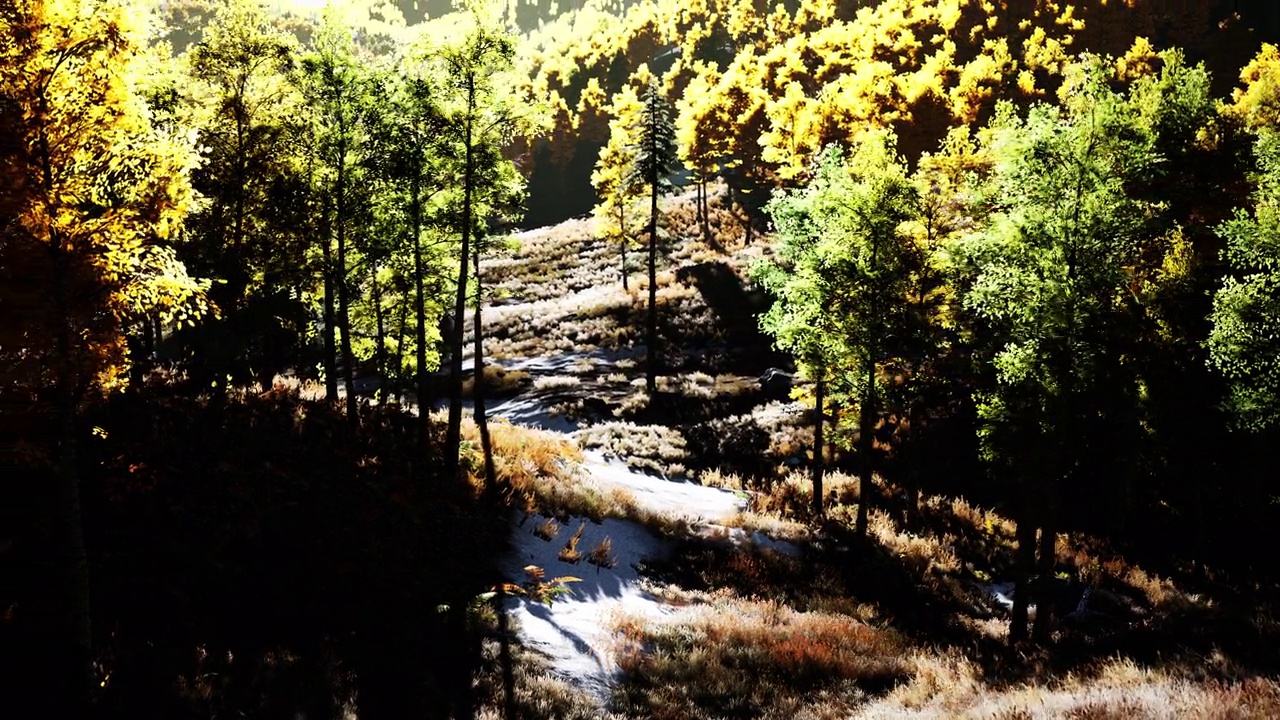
(259, 557)
(736, 309)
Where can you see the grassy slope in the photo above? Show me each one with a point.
(900, 628)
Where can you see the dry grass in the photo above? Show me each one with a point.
(543, 472)
(949, 685)
(498, 381)
(556, 382)
(736, 658)
(647, 448)
(561, 290)
(539, 467)
(539, 694)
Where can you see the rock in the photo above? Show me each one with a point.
(776, 384)
(596, 407)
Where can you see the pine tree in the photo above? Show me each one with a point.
(654, 145)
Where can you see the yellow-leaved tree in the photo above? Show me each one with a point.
(94, 191)
(613, 178)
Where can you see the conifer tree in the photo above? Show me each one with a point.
(654, 145)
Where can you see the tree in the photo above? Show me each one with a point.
(243, 103)
(699, 148)
(409, 156)
(483, 122)
(845, 268)
(94, 194)
(654, 145)
(613, 178)
(1244, 343)
(1052, 271)
(336, 87)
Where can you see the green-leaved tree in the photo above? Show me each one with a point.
(1244, 344)
(845, 266)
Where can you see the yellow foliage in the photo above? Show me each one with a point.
(102, 185)
(1258, 102)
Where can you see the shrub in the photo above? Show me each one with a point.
(754, 659)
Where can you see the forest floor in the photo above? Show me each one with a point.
(706, 590)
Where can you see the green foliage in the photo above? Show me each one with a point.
(237, 90)
(653, 143)
(845, 263)
(614, 177)
(1077, 249)
(1244, 344)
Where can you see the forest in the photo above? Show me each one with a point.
(639, 359)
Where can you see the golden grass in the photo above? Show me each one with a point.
(526, 460)
(946, 684)
(555, 382)
(539, 694)
(753, 659)
(647, 448)
(498, 381)
(543, 472)
(562, 286)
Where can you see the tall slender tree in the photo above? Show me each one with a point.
(614, 180)
(244, 104)
(411, 158)
(482, 119)
(336, 86)
(655, 149)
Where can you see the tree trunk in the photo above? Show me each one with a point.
(818, 461)
(330, 341)
(74, 632)
(866, 427)
(706, 213)
(329, 360)
(403, 326)
(622, 227)
(651, 371)
(453, 435)
(380, 355)
(420, 326)
(482, 421)
(344, 301)
(1024, 569)
(1045, 566)
(504, 657)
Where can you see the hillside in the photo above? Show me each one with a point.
(704, 614)
(639, 359)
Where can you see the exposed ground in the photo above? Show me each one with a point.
(717, 596)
